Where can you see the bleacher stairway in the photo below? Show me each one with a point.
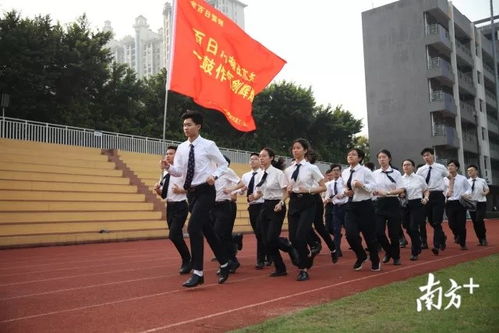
(58, 194)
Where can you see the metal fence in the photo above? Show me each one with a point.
(20, 129)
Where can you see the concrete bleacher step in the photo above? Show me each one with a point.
(70, 227)
(80, 237)
(58, 177)
(27, 195)
(64, 186)
(39, 217)
(41, 153)
(58, 206)
(80, 170)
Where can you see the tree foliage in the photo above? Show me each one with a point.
(65, 74)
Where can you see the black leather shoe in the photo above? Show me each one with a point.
(483, 242)
(435, 251)
(185, 268)
(224, 274)
(402, 242)
(386, 258)
(334, 256)
(238, 239)
(315, 250)
(193, 281)
(396, 262)
(413, 258)
(302, 276)
(277, 273)
(464, 247)
(259, 265)
(233, 266)
(358, 264)
(376, 266)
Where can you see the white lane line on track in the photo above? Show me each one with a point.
(236, 309)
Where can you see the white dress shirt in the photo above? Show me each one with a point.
(480, 187)
(438, 173)
(383, 183)
(170, 195)
(414, 186)
(228, 179)
(365, 176)
(274, 184)
(208, 161)
(309, 176)
(461, 187)
(336, 198)
(246, 178)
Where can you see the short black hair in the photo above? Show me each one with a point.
(472, 166)
(254, 154)
(360, 153)
(333, 166)
(411, 161)
(171, 147)
(196, 116)
(386, 152)
(455, 162)
(369, 165)
(428, 150)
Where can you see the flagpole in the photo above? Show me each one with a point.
(169, 63)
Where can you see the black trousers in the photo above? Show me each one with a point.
(388, 215)
(254, 214)
(456, 216)
(360, 218)
(201, 201)
(222, 217)
(319, 223)
(301, 215)
(478, 220)
(337, 222)
(271, 223)
(328, 216)
(413, 216)
(435, 213)
(176, 214)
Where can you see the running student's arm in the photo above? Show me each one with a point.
(219, 160)
(236, 187)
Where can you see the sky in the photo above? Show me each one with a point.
(321, 40)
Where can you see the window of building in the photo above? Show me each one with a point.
(483, 133)
(478, 77)
(480, 105)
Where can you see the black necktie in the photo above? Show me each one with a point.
(389, 177)
(190, 169)
(166, 182)
(263, 179)
(335, 188)
(473, 186)
(349, 184)
(251, 185)
(428, 175)
(294, 176)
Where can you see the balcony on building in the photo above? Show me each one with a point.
(438, 37)
(492, 124)
(466, 83)
(440, 69)
(444, 135)
(441, 101)
(468, 112)
(488, 72)
(490, 98)
(463, 52)
(470, 141)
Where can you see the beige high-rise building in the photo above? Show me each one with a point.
(147, 51)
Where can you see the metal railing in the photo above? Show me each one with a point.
(28, 130)
(464, 48)
(441, 96)
(437, 63)
(436, 29)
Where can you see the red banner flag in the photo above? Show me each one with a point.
(217, 64)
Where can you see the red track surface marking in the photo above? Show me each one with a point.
(135, 287)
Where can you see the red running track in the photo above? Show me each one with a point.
(135, 287)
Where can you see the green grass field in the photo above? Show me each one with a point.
(392, 308)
